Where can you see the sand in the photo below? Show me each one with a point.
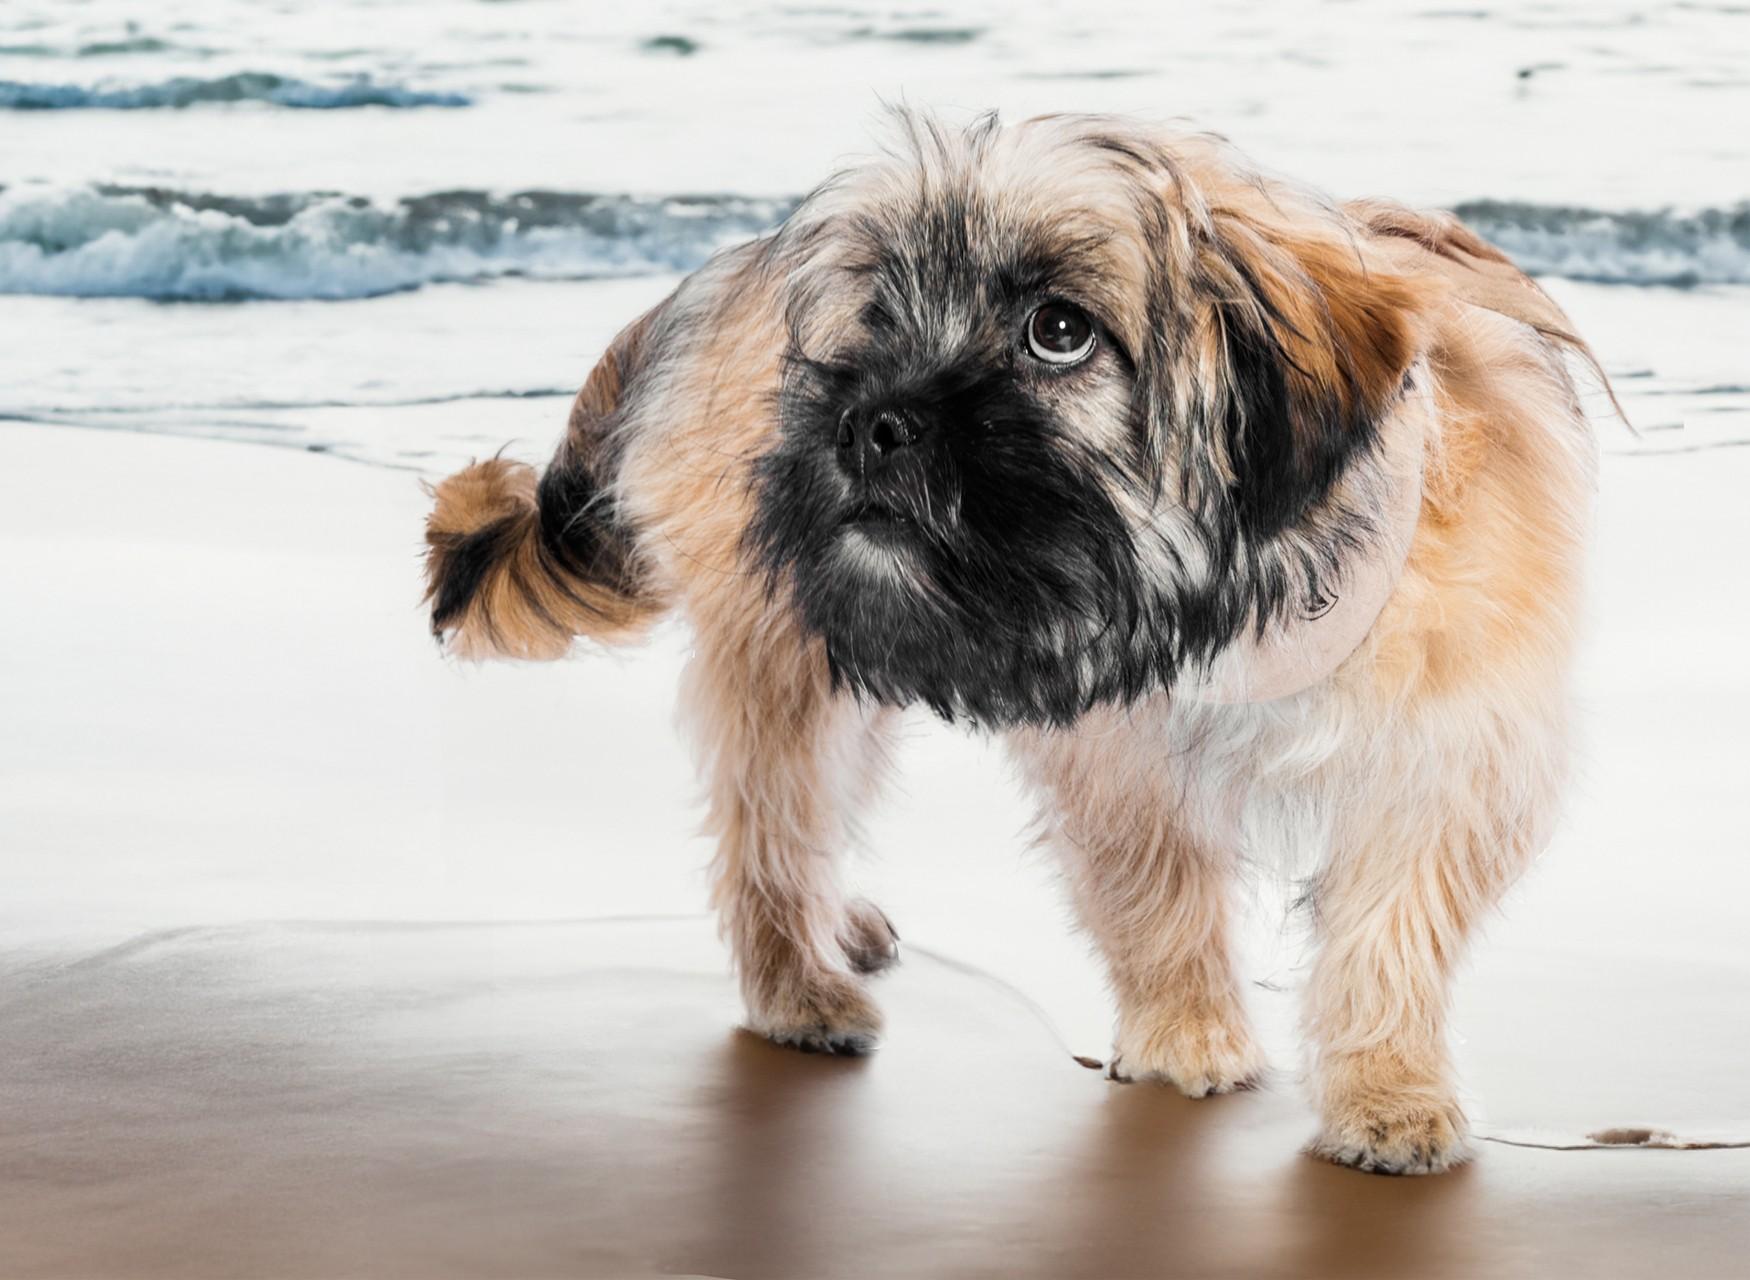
(320, 955)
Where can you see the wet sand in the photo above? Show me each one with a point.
(571, 1099)
(501, 1044)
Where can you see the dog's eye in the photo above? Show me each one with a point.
(1060, 334)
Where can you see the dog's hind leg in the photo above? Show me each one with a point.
(789, 762)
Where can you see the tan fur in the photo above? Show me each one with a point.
(528, 607)
(531, 604)
(1414, 784)
(1330, 303)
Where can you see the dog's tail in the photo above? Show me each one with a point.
(519, 564)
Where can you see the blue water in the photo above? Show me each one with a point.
(241, 86)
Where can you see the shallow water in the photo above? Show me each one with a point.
(411, 227)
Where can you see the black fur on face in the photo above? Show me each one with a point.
(1000, 552)
(988, 576)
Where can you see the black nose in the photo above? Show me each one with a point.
(868, 439)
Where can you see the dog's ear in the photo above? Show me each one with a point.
(1309, 345)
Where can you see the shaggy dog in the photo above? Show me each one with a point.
(1253, 524)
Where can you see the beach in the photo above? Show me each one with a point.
(324, 956)
(321, 954)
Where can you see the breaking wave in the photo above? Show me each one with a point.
(241, 86)
(152, 243)
(156, 243)
(1663, 246)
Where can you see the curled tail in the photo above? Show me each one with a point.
(518, 564)
(515, 570)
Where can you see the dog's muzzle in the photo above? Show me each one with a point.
(871, 438)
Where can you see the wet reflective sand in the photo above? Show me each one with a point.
(572, 1099)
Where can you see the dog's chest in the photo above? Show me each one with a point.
(1260, 780)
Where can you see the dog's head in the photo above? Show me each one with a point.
(1068, 407)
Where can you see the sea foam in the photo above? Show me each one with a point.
(158, 243)
(146, 242)
(241, 86)
(1661, 246)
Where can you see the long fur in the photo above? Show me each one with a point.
(519, 564)
(1054, 549)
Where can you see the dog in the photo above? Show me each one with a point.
(1252, 522)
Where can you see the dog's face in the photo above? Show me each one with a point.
(1057, 421)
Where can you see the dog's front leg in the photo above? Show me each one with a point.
(788, 762)
(1416, 864)
(1388, 932)
(1159, 911)
(1155, 899)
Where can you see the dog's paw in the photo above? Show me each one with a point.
(1384, 1133)
(821, 1013)
(1197, 1058)
(871, 942)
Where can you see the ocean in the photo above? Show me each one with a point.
(401, 232)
